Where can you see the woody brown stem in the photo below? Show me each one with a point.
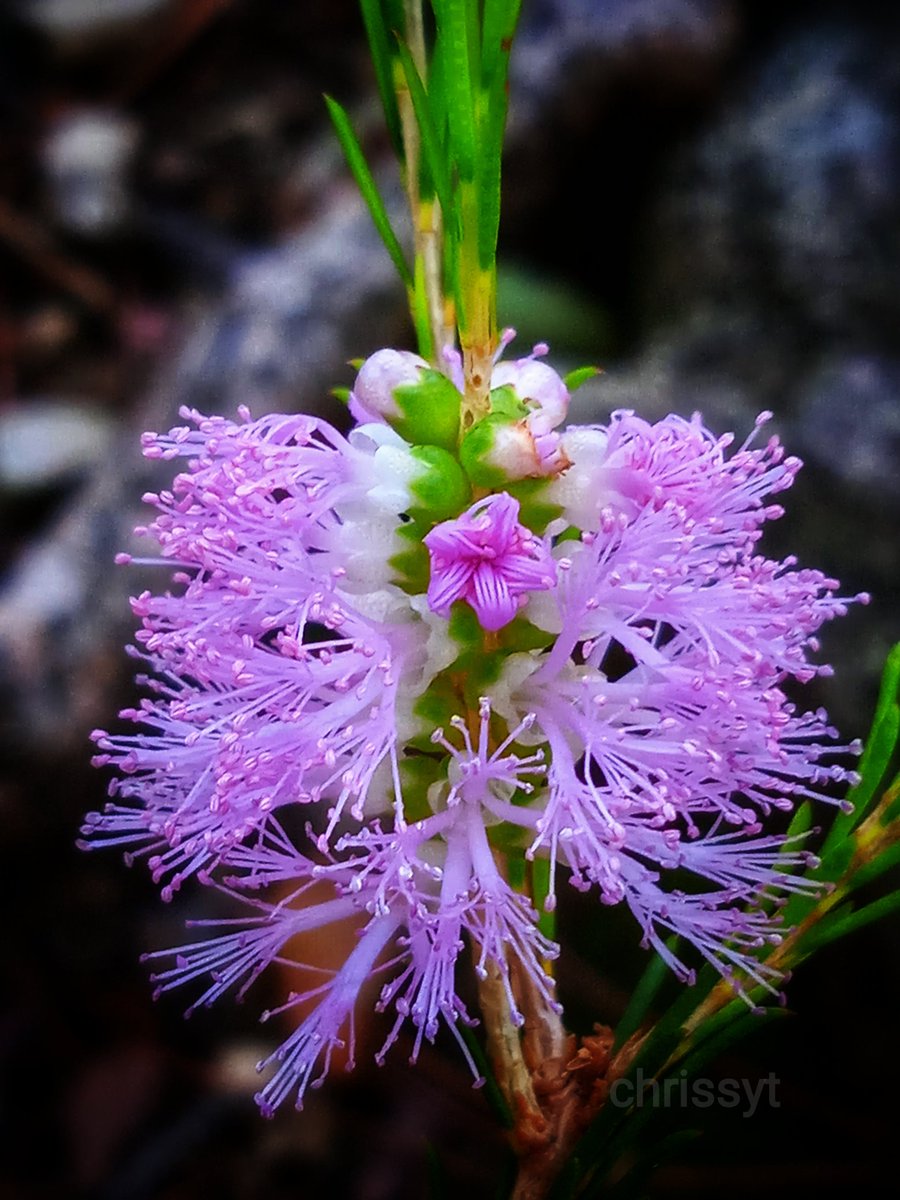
(505, 1046)
(554, 1086)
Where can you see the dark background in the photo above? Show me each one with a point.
(703, 198)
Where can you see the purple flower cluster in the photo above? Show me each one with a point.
(383, 672)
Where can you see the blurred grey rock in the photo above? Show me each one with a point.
(723, 365)
(86, 159)
(848, 421)
(47, 442)
(612, 31)
(65, 20)
(791, 199)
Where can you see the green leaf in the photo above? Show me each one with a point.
(492, 1091)
(606, 1130)
(801, 821)
(366, 184)
(580, 375)
(892, 800)
(843, 922)
(874, 867)
(432, 149)
(880, 747)
(453, 47)
(540, 884)
(499, 27)
(417, 773)
(381, 44)
(632, 1184)
(737, 1028)
(833, 864)
(798, 904)
(489, 171)
(535, 510)
(476, 449)
(835, 860)
(507, 1180)
(643, 996)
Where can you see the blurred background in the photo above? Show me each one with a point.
(702, 197)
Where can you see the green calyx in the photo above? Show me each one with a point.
(429, 411)
(477, 450)
(440, 491)
(485, 448)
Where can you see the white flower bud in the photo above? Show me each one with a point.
(539, 387)
(372, 398)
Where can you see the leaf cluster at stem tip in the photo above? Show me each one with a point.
(442, 77)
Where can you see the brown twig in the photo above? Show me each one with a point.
(26, 238)
(554, 1086)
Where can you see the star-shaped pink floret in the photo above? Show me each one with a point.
(488, 559)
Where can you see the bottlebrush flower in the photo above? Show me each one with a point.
(377, 674)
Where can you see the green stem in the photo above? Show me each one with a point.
(428, 307)
(477, 318)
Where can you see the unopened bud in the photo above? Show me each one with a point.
(372, 398)
(398, 387)
(539, 388)
(499, 449)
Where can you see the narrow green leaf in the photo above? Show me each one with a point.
(342, 394)
(453, 46)
(844, 922)
(734, 1010)
(382, 44)
(798, 907)
(540, 883)
(797, 904)
(499, 27)
(489, 172)
(832, 866)
(643, 996)
(880, 747)
(580, 375)
(545, 309)
(473, 37)
(875, 867)
(835, 860)
(433, 152)
(892, 801)
(492, 1091)
(366, 184)
(507, 1180)
(500, 20)
(733, 1031)
(801, 821)
(565, 1186)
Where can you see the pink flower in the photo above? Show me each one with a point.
(488, 559)
(634, 738)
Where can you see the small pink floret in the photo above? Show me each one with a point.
(488, 559)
